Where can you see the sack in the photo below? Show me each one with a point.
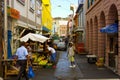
(31, 73)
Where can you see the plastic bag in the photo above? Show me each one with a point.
(31, 73)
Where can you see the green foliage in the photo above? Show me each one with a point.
(55, 37)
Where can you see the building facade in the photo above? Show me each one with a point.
(46, 16)
(23, 16)
(102, 14)
(60, 26)
(63, 28)
(79, 20)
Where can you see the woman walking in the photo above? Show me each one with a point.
(71, 53)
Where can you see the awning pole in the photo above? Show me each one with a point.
(22, 32)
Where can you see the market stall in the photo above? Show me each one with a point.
(34, 37)
(40, 55)
(9, 64)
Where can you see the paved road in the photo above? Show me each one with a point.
(83, 71)
(64, 72)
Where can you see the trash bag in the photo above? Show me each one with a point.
(31, 73)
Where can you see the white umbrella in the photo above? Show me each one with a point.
(33, 37)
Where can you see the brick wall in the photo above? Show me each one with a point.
(100, 14)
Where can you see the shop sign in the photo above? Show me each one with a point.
(13, 13)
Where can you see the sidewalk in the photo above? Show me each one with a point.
(91, 71)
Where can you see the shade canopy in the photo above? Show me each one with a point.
(113, 28)
(33, 37)
(45, 29)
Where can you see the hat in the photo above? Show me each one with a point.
(71, 42)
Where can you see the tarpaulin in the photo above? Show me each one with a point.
(113, 28)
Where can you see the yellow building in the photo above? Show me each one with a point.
(46, 16)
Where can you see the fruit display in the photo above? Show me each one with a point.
(40, 60)
(100, 62)
(49, 65)
(43, 62)
(34, 57)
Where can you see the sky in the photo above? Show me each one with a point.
(61, 8)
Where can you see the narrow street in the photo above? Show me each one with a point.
(34, 30)
(83, 70)
(62, 72)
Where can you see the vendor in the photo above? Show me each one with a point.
(53, 55)
(29, 50)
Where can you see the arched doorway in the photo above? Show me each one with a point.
(91, 37)
(95, 36)
(101, 37)
(87, 37)
(113, 38)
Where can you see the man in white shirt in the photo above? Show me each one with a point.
(22, 56)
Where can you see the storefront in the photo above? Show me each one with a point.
(102, 30)
(80, 41)
(45, 30)
(13, 16)
(112, 36)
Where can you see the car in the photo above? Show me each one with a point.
(61, 46)
(56, 41)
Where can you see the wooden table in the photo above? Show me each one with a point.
(9, 68)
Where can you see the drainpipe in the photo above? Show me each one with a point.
(35, 15)
(1, 41)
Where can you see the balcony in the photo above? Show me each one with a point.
(77, 29)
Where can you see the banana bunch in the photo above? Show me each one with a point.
(40, 58)
(34, 56)
(43, 62)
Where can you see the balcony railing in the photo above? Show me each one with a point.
(78, 29)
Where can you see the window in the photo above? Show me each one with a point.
(21, 1)
(32, 5)
(8, 2)
(111, 44)
(90, 2)
(63, 32)
(38, 8)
